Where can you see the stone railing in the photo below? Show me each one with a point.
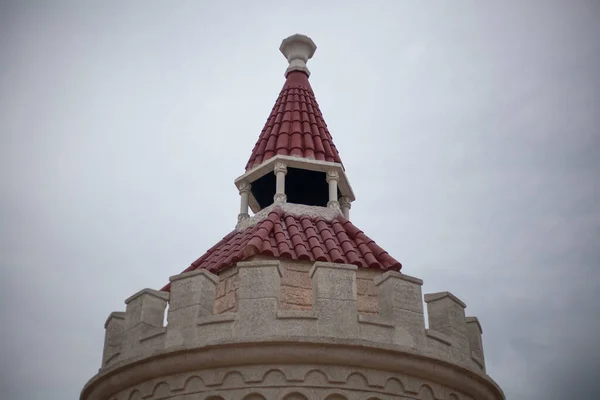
(192, 323)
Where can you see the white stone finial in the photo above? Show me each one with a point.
(297, 49)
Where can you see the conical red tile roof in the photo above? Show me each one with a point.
(295, 126)
(285, 235)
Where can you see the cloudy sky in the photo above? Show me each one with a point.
(470, 132)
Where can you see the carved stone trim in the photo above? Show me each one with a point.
(243, 216)
(244, 186)
(333, 204)
(280, 198)
(332, 175)
(345, 201)
(409, 368)
(280, 167)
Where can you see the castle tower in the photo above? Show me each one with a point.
(296, 302)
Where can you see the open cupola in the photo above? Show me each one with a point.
(295, 160)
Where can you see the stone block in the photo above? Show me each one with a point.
(399, 291)
(215, 328)
(296, 323)
(367, 304)
(376, 329)
(408, 323)
(232, 283)
(333, 281)
(474, 333)
(225, 303)
(146, 306)
(400, 302)
(220, 290)
(256, 317)
(296, 279)
(296, 296)
(194, 288)
(446, 313)
(259, 279)
(113, 336)
(192, 297)
(336, 318)
(366, 287)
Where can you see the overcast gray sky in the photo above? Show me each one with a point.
(470, 132)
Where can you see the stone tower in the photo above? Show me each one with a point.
(296, 302)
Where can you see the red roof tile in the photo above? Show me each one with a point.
(284, 235)
(295, 127)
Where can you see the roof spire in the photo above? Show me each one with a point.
(297, 49)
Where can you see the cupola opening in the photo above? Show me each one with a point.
(301, 187)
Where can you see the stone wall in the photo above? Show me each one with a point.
(226, 293)
(296, 288)
(262, 310)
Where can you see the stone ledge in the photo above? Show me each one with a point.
(296, 314)
(261, 263)
(330, 265)
(395, 274)
(217, 319)
(189, 274)
(115, 315)
(475, 320)
(478, 360)
(112, 357)
(153, 333)
(265, 350)
(440, 337)
(440, 295)
(375, 320)
(155, 293)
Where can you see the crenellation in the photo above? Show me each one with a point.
(400, 301)
(258, 297)
(195, 288)
(146, 306)
(474, 333)
(447, 316)
(296, 323)
(192, 297)
(376, 328)
(113, 336)
(260, 312)
(144, 316)
(334, 299)
(215, 327)
(446, 312)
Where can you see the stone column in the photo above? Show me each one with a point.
(280, 172)
(332, 179)
(346, 204)
(244, 189)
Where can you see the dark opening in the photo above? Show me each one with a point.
(263, 190)
(301, 187)
(306, 187)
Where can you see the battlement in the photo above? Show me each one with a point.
(192, 320)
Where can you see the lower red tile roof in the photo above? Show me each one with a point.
(295, 126)
(285, 235)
